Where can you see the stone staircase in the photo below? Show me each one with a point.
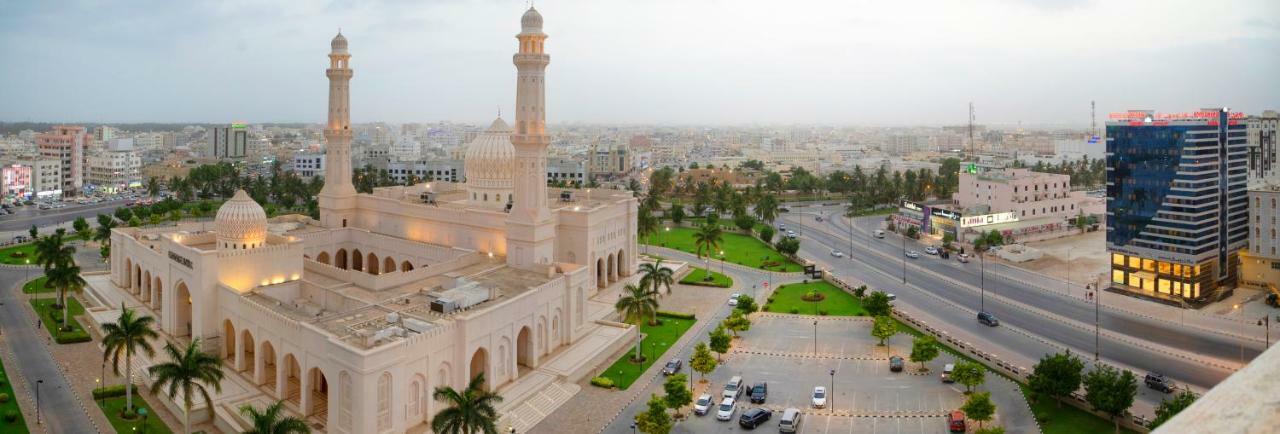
(533, 408)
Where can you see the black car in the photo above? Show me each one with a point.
(988, 319)
(759, 392)
(1158, 381)
(672, 367)
(754, 417)
(895, 364)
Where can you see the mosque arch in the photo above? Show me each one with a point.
(340, 259)
(479, 366)
(292, 379)
(128, 274)
(622, 264)
(182, 304)
(228, 340)
(613, 273)
(344, 400)
(269, 366)
(600, 276)
(146, 281)
(372, 265)
(247, 355)
(319, 390)
(157, 296)
(357, 260)
(406, 266)
(388, 265)
(417, 394)
(323, 258)
(524, 348)
(384, 401)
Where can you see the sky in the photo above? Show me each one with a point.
(678, 62)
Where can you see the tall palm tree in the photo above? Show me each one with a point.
(52, 250)
(189, 371)
(655, 276)
(153, 187)
(469, 411)
(268, 421)
(128, 335)
(65, 277)
(105, 225)
(637, 305)
(767, 208)
(708, 239)
(646, 225)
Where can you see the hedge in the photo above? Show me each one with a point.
(604, 382)
(677, 315)
(73, 337)
(10, 416)
(4, 398)
(111, 391)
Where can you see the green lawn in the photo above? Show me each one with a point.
(836, 302)
(114, 406)
(37, 286)
(657, 340)
(18, 255)
(698, 277)
(52, 319)
(19, 425)
(738, 249)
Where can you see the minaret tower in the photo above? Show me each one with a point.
(337, 198)
(530, 229)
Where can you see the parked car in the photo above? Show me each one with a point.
(837, 253)
(753, 418)
(1158, 381)
(790, 421)
(732, 389)
(913, 254)
(931, 250)
(895, 364)
(672, 367)
(956, 422)
(819, 397)
(946, 373)
(703, 404)
(759, 392)
(733, 299)
(988, 319)
(726, 410)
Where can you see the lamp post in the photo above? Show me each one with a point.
(904, 258)
(1097, 316)
(815, 337)
(1237, 308)
(982, 281)
(831, 393)
(722, 262)
(1265, 322)
(38, 383)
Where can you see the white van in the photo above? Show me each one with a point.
(879, 233)
(790, 421)
(733, 389)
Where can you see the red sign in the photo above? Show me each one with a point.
(1184, 116)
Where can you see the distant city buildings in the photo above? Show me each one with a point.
(228, 142)
(66, 144)
(1177, 205)
(308, 164)
(1264, 152)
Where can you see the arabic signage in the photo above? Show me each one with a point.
(987, 219)
(1184, 116)
(179, 259)
(945, 213)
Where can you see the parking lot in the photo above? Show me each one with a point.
(864, 396)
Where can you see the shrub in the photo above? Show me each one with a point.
(73, 337)
(10, 416)
(822, 312)
(4, 398)
(604, 382)
(795, 310)
(677, 315)
(111, 391)
(770, 299)
(1042, 417)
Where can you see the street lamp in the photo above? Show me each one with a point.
(38, 383)
(1236, 307)
(722, 262)
(904, 258)
(1097, 316)
(1265, 322)
(831, 393)
(982, 281)
(815, 337)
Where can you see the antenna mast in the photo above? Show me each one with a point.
(973, 147)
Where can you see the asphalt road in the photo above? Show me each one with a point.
(60, 411)
(26, 216)
(879, 263)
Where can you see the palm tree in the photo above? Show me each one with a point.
(268, 421)
(469, 411)
(128, 335)
(646, 225)
(153, 187)
(708, 240)
(65, 277)
(655, 276)
(189, 371)
(637, 305)
(767, 208)
(51, 250)
(105, 225)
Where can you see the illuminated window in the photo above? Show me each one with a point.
(1148, 265)
(1164, 267)
(1135, 262)
(1163, 286)
(1117, 276)
(1135, 281)
(1149, 285)
(1117, 259)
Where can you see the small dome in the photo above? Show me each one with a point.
(241, 223)
(339, 43)
(531, 21)
(490, 164)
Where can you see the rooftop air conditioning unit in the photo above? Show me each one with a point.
(566, 196)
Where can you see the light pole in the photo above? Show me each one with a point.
(850, 236)
(104, 383)
(982, 281)
(38, 383)
(1237, 308)
(831, 393)
(722, 262)
(815, 337)
(904, 258)
(1097, 329)
(1265, 322)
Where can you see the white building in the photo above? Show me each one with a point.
(354, 319)
(1264, 146)
(308, 164)
(1260, 263)
(33, 178)
(112, 171)
(437, 170)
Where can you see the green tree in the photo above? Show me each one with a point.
(677, 212)
(637, 306)
(1056, 376)
(877, 304)
(737, 322)
(34, 231)
(746, 304)
(189, 371)
(924, 349)
(1110, 391)
(767, 208)
(766, 234)
(153, 187)
(103, 233)
(124, 214)
(979, 407)
(135, 222)
(883, 328)
(860, 291)
(744, 221)
(271, 421)
(646, 225)
(719, 341)
(81, 226)
(912, 232)
(66, 278)
(655, 276)
(708, 239)
(678, 394)
(702, 362)
(128, 335)
(787, 245)
(947, 239)
(1169, 408)
(970, 374)
(469, 411)
(654, 420)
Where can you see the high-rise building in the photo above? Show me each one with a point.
(1264, 146)
(1177, 207)
(228, 142)
(103, 133)
(66, 144)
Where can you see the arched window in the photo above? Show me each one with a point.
(344, 400)
(384, 402)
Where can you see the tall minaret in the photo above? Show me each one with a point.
(337, 198)
(530, 229)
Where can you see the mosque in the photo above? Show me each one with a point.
(355, 318)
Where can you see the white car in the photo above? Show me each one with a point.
(726, 410)
(931, 250)
(733, 299)
(913, 254)
(819, 397)
(702, 405)
(837, 253)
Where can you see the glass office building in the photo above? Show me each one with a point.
(1177, 205)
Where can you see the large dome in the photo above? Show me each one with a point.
(490, 165)
(241, 223)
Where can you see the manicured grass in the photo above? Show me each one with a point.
(52, 319)
(113, 408)
(835, 301)
(738, 249)
(657, 340)
(19, 425)
(699, 277)
(18, 255)
(37, 286)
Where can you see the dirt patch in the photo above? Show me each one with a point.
(1087, 253)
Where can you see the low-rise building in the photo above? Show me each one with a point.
(31, 178)
(111, 171)
(308, 164)
(1023, 192)
(1260, 263)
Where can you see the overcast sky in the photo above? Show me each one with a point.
(849, 62)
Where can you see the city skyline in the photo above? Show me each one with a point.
(663, 63)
